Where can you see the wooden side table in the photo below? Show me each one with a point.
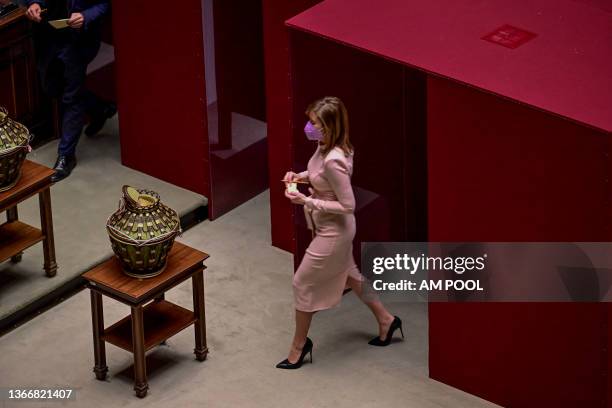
(17, 236)
(153, 319)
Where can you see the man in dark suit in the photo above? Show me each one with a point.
(63, 56)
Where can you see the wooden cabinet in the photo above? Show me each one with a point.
(20, 91)
(18, 88)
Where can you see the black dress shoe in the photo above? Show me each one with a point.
(395, 324)
(99, 119)
(292, 366)
(63, 167)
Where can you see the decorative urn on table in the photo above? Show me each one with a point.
(14, 146)
(142, 232)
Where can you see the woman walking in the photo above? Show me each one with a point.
(328, 265)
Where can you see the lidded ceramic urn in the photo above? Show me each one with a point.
(14, 145)
(142, 232)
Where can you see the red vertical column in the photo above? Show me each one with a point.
(278, 94)
(238, 162)
(608, 355)
(161, 91)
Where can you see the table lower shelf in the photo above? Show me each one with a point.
(162, 320)
(16, 237)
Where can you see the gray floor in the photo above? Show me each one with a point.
(249, 320)
(81, 205)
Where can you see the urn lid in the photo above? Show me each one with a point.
(12, 134)
(142, 217)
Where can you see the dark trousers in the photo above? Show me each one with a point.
(63, 70)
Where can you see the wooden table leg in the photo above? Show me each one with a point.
(46, 222)
(12, 215)
(159, 298)
(97, 317)
(201, 350)
(140, 368)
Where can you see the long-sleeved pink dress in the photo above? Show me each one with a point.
(320, 279)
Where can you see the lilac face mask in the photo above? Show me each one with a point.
(312, 133)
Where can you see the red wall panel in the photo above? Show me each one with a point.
(278, 94)
(499, 171)
(385, 103)
(239, 67)
(239, 56)
(608, 349)
(102, 82)
(161, 91)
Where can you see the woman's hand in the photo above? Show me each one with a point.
(289, 177)
(296, 198)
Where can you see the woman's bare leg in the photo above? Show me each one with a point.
(302, 325)
(383, 317)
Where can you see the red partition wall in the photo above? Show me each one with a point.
(102, 81)
(161, 91)
(238, 145)
(517, 150)
(239, 59)
(608, 348)
(386, 128)
(500, 171)
(278, 93)
(162, 98)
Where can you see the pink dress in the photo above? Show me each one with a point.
(320, 279)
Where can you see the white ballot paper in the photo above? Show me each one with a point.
(59, 24)
(292, 188)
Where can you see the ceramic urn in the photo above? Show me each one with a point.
(142, 232)
(14, 146)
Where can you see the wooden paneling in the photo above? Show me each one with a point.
(20, 90)
(18, 86)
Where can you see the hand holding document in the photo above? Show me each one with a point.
(76, 20)
(292, 185)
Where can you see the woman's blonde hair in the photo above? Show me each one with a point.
(333, 116)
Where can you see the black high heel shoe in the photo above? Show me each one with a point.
(395, 324)
(292, 366)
